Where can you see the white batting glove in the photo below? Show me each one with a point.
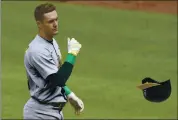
(73, 46)
(76, 103)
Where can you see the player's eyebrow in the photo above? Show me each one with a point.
(51, 20)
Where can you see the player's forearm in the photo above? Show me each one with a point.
(61, 77)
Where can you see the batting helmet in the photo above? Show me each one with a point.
(155, 91)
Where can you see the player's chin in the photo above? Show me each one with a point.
(55, 32)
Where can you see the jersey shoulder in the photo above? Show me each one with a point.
(40, 44)
(39, 47)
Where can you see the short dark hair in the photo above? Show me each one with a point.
(41, 9)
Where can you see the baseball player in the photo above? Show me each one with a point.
(46, 74)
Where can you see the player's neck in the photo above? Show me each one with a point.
(44, 36)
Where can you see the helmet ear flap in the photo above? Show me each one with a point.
(157, 93)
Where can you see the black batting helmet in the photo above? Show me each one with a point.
(155, 91)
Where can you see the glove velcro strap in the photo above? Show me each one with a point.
(72, 96)
(74, 53)
(71, 58)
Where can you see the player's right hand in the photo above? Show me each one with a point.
(73, 46)
(76, 103)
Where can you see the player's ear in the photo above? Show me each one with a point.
(38, 24)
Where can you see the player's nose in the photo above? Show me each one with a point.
(55, 24)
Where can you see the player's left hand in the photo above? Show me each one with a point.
(73, 46)
(76, 103)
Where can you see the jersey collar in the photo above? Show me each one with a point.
(49, 41)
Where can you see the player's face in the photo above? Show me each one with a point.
(49, 25)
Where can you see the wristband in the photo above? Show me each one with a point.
(67, 90)
(71, 58)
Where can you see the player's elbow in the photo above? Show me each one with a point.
(54, 80)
